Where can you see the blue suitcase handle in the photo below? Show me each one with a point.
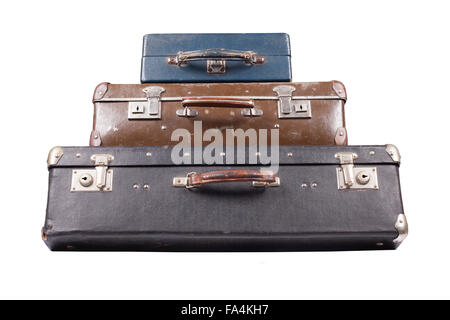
(183, 58)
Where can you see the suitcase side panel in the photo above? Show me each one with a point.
(158, 47)
(273, 44)
(296, 218)
(156, 69)
(325, 127)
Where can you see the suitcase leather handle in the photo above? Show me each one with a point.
(217, 102)
(183, 58)
(247, 104)
(260, 178)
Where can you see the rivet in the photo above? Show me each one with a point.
(372, 153)
(289, 154)
(95, 137)
(304, 185)
(163, 127)
(135, 186)
(108, 189)
(222, 154)
(78, 155)
(148, 154)
(375, 186)
(57, 156)
(206, 111)
(341, 133)
(277, 125)
(258, 154)
(146, 186)
(314, 185)
(100, 92)
(340, 91)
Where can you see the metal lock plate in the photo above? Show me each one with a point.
(216, 66)
(365, 178)
(150, 109)
(351, 177)
(290, 108)
(81, 177)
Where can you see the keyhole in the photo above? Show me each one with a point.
(86, 180)
(362, 177)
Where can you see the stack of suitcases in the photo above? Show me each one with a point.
(218, 150)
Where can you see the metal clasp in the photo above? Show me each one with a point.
(346, 160)
(150, 109)
(91, 180)
(351, 177)
(183, 182)
(101, 166)
(289, 108)
(216, 66)
(258, 184)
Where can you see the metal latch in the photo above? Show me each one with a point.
(351, 177)
(290, 108)
(216, 66)
(150, 109)
(92, 180)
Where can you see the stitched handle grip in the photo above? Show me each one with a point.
(217, 102)
(248, 57)
(260, 178)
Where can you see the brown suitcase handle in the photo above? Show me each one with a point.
(183, 58)
(260, 178)
(217, 102)
(221, 102)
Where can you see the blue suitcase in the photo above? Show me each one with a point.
(240, 57)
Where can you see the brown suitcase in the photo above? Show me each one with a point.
(146, 115)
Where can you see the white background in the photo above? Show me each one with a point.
(393, 57)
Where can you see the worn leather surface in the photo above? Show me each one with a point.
(275, 47)
(114, 129)
(231, 175)
(227, 216)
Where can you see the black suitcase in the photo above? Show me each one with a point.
(135, 198)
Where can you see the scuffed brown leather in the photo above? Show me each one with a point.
(100, 91)
(95, 140)
(112, 124)
(341, 138)
(198, 179)
(339, 89)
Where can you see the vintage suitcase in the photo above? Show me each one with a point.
(143, 114)
(219, 57)
(135, 198)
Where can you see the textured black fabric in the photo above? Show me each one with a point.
(227, 216)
